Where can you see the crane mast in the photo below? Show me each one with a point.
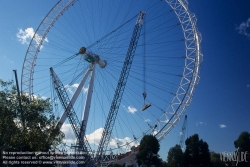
(120, 88)
(71, 115)
(183, 132)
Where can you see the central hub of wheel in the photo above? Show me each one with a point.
(92, 58)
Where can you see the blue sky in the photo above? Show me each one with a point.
(219, 111)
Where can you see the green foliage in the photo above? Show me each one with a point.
(243, 145)
(148, 152)
(33, 130)
(197, 152)
(164, 164)
(7, 124)
(175, 156)
(243, 142)
(216, 159)
(115, 165)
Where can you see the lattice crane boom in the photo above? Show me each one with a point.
(183, 132)
(70, 112)
(120, 87)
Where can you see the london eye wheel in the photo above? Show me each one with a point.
(115, 70)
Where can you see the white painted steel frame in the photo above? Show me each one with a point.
(75, 96)
(190, 76)
(37, 41)
(85, 115)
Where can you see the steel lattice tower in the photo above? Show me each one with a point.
(183, 132)
(120, 87)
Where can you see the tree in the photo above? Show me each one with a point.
(148, 152)
(243, 145)
(29, 129)
(116, 165)
(175, 156)
(163, 163)
(216, 159)
(197, 152)
(7, 124)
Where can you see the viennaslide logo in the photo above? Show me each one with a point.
(236, 156)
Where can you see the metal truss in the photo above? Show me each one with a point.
(183, 132)
(182, 97)
(71, 114)
(120, 88)
(190, 77)
(36, 44)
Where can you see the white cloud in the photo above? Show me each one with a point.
(242, 28)
(222, 126)
(69, 134)
(127, 141)
(85, 90)
(73, 87)
(132, 109)
(95, 137)
(69, 88)
(200, 123)
(36, 96)
(147, 120)
(24, 36)
(66, 86)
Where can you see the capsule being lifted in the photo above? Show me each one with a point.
(92, 58)
(145, 107)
